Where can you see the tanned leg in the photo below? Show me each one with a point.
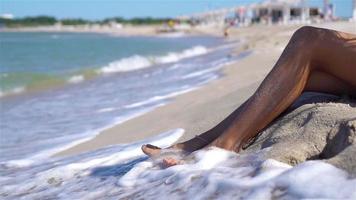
(315, 59)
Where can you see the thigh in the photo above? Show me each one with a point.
(323, 82)
(335, 54)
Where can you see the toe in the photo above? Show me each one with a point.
(168, 162)
(151, 146)
(150, 150)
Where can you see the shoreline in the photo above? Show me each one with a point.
(109, 136)
(201, 109)
(126, 31)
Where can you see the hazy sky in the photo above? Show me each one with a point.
(99, 9)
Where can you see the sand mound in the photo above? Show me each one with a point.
(316, 127)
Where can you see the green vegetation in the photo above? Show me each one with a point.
(74, 21)
(29, 21)
(137, 20)
(48, 20)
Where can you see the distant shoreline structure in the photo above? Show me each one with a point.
(266, 12)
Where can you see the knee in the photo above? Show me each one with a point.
(306, 30)
(308, 34)
(307, 38)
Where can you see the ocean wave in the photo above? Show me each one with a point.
(16, 90)
(174, 57)
(76, 79)
(138, 62)
(217, 66)
(36, 182)
(39, 81)
(14, 83)
(159, 98)
(173, 35)
(103, 110)
(127, 64)
(74, 140)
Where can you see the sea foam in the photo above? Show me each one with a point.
(123, 172)
(61, 178)
(76, 79)
(75, 139)
(136, 62)
(16, 90)
(160, 98)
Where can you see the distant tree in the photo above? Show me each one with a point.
(47, 21)
(29, 21)
(114, 19)
(77, 21)
(148, 20)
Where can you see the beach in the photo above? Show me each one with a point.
(170, 97)
(201, 109)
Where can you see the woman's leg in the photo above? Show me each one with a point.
(314, 60)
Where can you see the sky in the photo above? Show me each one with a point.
(100, 9)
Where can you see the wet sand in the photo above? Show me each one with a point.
(201, 109)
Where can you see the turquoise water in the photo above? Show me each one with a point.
(42, 60)
(99, 80)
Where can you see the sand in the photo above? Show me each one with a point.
(201, 109)
(316, 127)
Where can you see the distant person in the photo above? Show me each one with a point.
(315, 59)
(227, 27)
(226, 33)
(171, 24)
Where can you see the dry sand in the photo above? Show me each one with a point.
(200, 110)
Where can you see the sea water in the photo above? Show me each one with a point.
(70, 86)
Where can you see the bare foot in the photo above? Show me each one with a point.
(150, 150)
(169, 162)
(187, 147)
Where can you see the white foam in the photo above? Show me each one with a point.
(199, 73)
(172, 35)
(59, 176)
(174, 57)
(218, 174)
(86, 136)
(159, 98)
(3, 75)
(76, 79)
(138, 62)
(127, 64)
(16, 90)
(122, 172)
(217, 65)
(103, 110)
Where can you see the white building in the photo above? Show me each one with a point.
(354, 13)
(7, 16)
(284, 11)
(266, 12)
